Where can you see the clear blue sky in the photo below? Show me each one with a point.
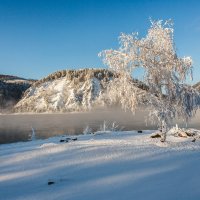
(38, 37)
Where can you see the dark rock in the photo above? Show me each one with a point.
(162, 140)
(156, 135)
(139, 131)
(68, 139)
(190, 133)
(51, 182)
(194, 139)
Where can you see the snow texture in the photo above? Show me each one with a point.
(115, 165)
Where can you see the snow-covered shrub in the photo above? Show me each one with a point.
(87, 130)
(33, 134)
(112, 126)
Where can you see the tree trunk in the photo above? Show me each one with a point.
(163, 130)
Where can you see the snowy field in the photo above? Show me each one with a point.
(113, 165)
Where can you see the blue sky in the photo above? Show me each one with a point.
(38, 37)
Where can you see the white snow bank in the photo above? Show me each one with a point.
(116, 165)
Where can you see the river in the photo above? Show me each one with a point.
(18, 127)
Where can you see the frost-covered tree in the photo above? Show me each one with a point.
(165, 74)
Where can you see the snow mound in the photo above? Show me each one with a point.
(48, 145)
(178, 138)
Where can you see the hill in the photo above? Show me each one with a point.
(68, 90)
(11, 90)
(197, 86)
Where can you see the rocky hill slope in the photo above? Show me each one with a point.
(197, 86)
(67, 90)
(12, 89)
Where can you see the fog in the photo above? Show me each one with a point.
(18, 127)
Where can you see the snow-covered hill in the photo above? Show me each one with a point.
(197, 86)
(68, 90)
(11, 90)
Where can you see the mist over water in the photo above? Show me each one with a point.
(18, 127)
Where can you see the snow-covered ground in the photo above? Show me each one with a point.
(112, 165)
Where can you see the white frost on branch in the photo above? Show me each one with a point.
(165, 74)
